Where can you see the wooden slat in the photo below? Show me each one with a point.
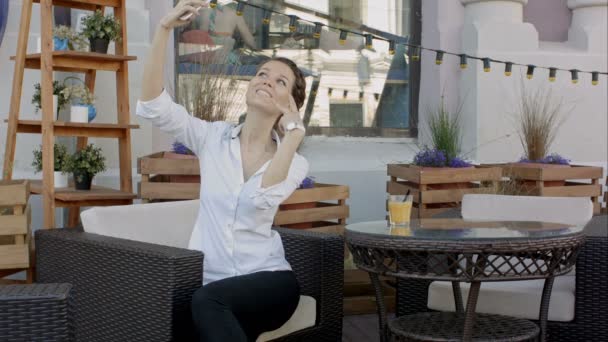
(79, 61)
(458, 175)
(582, 190)
(321, 192)
(97, 193)
(14, 192)
(404, 171)
(311, 215)
(15, 224)
(155, 164)
(88, 5)
(427, 212)
(337, 229)
(173, 191)
(574, 172)
(76, 129)
(450, 195)
(14, 256)
(401, 188)
(92, 203)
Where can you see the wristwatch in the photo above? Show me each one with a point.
(294, 125)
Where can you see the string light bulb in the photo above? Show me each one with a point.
(439, 57)
(595, 78)
(330, 91)
(530, 71)
(293, 22)
(486, 64)
(574, 75)
(360, 96)
(463, 61)
(239, 8)
(416, 54)
(552, 74)
(508, 68)
(318, 29)
(343, 35)
(213, 3)
(345, 94)
(391, 47)
(369, 41)
(376, 96)
(267, 15)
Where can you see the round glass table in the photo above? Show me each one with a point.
(458, 250)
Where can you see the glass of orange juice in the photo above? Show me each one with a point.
(399, 209)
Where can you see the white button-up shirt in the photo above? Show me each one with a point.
(233, 227)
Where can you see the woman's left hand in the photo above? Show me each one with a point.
(290, 114)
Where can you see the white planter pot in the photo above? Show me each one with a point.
(79, 113)
(60, 179)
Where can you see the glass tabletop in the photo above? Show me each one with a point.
(459, 229)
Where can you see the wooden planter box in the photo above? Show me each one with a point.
(576, 181)
(438, 189)
(15, 232)
(158, 181)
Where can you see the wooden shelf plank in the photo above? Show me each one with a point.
(76, 129)
(79, 61)
(88, 5)
(98, 195)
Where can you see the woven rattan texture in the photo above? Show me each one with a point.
(447, 326)
(36, 312)
(123, 290)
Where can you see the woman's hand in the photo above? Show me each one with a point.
(290, 115)
(184, 7)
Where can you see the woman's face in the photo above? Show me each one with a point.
(274, 81)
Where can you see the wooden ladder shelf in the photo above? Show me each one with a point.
(87, 63)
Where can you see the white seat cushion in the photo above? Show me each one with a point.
(167, 223)
(511, 298)
(304, 317)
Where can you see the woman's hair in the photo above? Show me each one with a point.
(298, 90)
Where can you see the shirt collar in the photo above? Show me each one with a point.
(236, 130)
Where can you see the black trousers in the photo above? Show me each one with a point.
(241, 308)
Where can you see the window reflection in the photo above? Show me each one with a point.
(218, 53)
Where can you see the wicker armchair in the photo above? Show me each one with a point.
(591, 305)
(133, 291)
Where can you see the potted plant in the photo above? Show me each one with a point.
(85, 164)
(181, 152)
(59, 100)
(439, 176)
(65, 38)
(539, 117)
(60, 170)
(100, 30)
(82, 107)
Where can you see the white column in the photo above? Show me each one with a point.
(497, 25)
(589, 25)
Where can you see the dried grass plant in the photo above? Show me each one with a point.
(213, 96)
(540, 114)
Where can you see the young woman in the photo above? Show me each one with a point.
(246, 172)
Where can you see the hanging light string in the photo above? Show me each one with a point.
(416, 49)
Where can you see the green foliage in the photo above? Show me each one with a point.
(89, 161)
(57, 89)
(445, 130)
(60, 153)
(78, 94)
(99, 26)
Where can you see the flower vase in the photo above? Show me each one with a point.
(92, 112)
(60, 179)
(60, 44)
(55, 107)
(99, 45)
(79, 113)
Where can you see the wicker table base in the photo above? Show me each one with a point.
(448, 327)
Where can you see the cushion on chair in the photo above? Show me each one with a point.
(166, 223)
(304, 317)
(569, 210)
(511, 298)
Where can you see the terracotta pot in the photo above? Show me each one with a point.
(529, 183)
(295, 206)
(182, 178)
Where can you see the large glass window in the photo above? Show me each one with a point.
(352, 89)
